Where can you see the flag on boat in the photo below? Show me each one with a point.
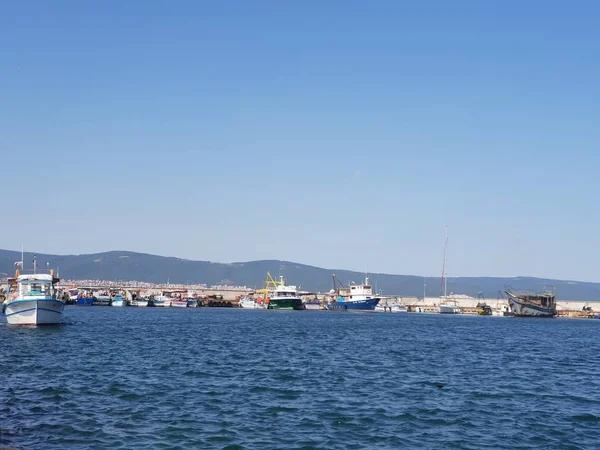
(19, 264)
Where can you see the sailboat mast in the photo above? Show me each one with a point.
(444, 280)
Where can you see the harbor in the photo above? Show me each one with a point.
(276, 294)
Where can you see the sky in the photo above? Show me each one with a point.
(341, 134)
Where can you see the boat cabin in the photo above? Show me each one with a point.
(364, 291)
(36, 285)
(285, 291)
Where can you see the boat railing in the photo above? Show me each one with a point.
(36, 272)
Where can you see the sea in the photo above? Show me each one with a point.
(210, 378)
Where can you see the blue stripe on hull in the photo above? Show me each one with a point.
(360, 305)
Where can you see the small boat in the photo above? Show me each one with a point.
(179, 302)
(483, 309)
(139, 302)
(392, 308)
(159, 301)
(118, 300)
(284, 296)
(191, 302)
(448, 306)
(358, 298)
(32, 299)
(102, 300)
(502, 310)
(312, 304)
(247, 303)
(73, 296)
(528, 304)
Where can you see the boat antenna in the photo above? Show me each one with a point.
(22, 259)
(444, 281)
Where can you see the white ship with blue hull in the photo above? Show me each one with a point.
(34, 300)
(360, 298)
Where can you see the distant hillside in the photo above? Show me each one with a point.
(129, 266)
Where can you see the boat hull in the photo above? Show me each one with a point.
(449, 309)
(312, 306)
(160, 304)
(358, 305)
(178, 304)
(286, 303)
(85, 301)
(101, 301)
(34, 312)
(524, 309)
(139, 303)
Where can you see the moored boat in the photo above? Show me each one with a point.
(139, 302)
(179, 302)
(249, 303)
(32, 300)
(483, 309)
(283, 296)
(118, 300)
(358, 298)
(312, 304)
(502, 310)
(159, 301)
(448, 306)
(85, 300)
(191, 302)
(102, 300)
(528, 304)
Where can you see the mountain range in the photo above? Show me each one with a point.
(131, 266)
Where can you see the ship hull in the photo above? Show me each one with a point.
(34, 312)
(358, 305)
(85, 301)
(286, 303)
(524, 309)
(449, 309)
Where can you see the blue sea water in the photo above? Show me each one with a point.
(242, 379)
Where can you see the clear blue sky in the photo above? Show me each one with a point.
(340, 134)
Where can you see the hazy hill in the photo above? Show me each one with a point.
(122, 265)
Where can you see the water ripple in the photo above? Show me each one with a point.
(233, 379)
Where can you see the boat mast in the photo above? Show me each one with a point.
(444, 281)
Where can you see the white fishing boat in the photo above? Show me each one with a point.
(118, 300)
(502, 310)
(179, 302)
(139, 302)
(251, 303)
(449, 306)
(160, 301)
(390, 306)
(32, 300)
(313, 304)
(102, 300)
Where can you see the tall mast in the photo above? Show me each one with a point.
(22, 259)
(444, 281)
